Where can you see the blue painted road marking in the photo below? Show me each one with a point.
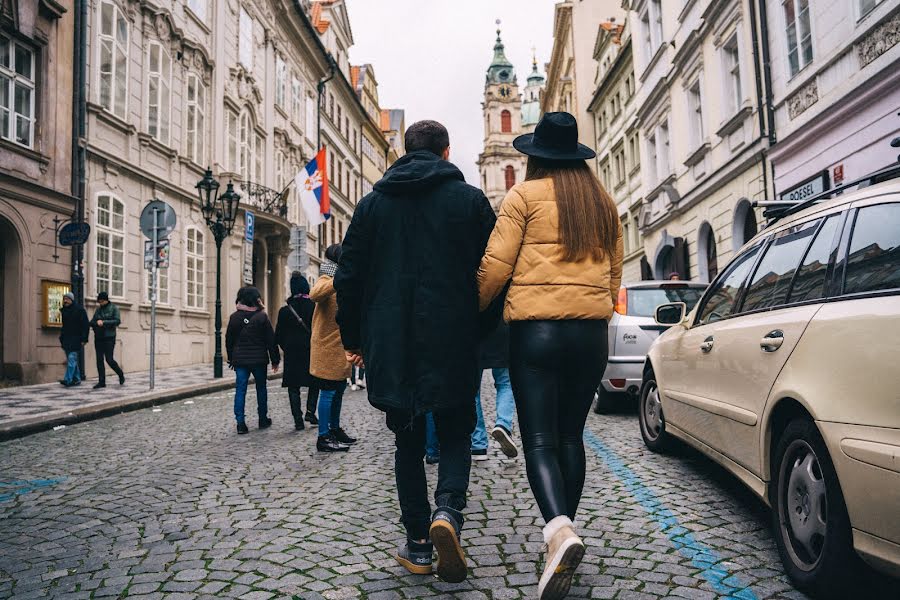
(700, 555)
(11, 489)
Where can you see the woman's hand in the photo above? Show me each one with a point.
(355, 358)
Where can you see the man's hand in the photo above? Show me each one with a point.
(99, 322)
(275, 368)
(354, 358)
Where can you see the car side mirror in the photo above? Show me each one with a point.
(670, 314)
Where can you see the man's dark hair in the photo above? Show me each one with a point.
(427, 135)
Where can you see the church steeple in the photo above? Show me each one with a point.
(501, 70)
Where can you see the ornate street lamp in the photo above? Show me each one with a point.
(219, 213)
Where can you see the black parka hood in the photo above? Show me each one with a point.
(417, 171)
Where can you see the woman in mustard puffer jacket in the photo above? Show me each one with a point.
(559, 239)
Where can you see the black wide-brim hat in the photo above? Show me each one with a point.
(554, 138)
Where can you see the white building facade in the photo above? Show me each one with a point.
(703, 132)
(835, 91)
(179, 85)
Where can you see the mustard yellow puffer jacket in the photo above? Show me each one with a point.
(525, 246)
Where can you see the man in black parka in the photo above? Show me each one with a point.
(408, 307)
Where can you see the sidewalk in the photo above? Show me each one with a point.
(28, 409)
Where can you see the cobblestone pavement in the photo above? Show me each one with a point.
(169, 502)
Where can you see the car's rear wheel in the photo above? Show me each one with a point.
(650, 416)
(812, 528)
(604, 402)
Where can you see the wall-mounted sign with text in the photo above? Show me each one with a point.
(808, 188)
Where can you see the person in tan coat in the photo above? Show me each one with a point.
(327, 361)
(558, 239)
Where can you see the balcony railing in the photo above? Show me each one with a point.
(265, 199)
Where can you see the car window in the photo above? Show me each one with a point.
(720, 299)
(642, 302)
(810, 281)
(873, 260)
(769, 284)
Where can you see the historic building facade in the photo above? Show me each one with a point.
(835, 79)
(37, 191)
(506, 116)
(703, 131)
(613, 109)
(375, 146)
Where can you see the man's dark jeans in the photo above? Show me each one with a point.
(454, 431)
(105, 348)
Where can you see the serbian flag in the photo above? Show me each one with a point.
(312, 188)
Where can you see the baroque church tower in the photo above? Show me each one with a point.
(505, 117)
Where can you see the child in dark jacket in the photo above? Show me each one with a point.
(250, 344)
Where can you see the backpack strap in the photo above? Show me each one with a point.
(299, 319)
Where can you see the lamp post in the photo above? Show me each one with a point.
(219, 213)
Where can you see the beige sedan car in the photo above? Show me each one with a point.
(787, 372)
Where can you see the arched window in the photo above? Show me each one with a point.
(110, 246)
(707, 255)
(246, 139)
(194, 264)
(506, 122)
(509, 174)
(744, 227)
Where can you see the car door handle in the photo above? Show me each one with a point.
(772, 341)
(707, 344)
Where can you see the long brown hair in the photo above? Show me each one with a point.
(588, 218)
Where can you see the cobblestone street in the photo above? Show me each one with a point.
(170, 502)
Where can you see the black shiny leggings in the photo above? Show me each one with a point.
(555, 368)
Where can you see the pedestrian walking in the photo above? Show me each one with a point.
(250, 345)
(409, 312)
(494, 355)
(328, 362)
(72, 337)
(105, 321)
(292, 334)
(559, 239)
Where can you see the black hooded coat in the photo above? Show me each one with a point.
(406, 289)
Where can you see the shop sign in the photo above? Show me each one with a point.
(807, 189)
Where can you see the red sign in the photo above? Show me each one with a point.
(838, 174)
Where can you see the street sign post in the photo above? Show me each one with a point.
(157, 222)
(249, 224)
(161, 255)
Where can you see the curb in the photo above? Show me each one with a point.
(26, 427)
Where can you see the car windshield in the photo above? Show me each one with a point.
(642, 302)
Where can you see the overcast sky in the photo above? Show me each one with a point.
(430, 58)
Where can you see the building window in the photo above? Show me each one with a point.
(664, 165)
(232, 127)
(159, 84)
(248, 150)
(198, 7)
(734, 92)
(245, 39)
(506, 122)
(110, 244)
(296, 101)
(799, 34)
(695, 104)
(195, 256)
(635, 152)
(259, 153)
(310, 118)
(646, 36)
(113, 60)
(867, 6)
(652, 156)
(280, 82)
(509, 175)
(196, 119)
(16, 92)
(656, 23)
(626, 234)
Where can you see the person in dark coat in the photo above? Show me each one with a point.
(292, 335)
(408, 310)
(72, 337)
(250, 344)
(494, 355)
(105, 322)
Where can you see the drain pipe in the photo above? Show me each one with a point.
(79, 133)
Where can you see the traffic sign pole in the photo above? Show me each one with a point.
(153, 286)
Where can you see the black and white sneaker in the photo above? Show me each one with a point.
(504, 438)
(415, 557)
(479, 454)
(444, 532)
